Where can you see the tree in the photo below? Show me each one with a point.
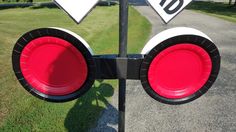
(230, 1)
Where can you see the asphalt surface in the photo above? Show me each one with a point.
(215, 111)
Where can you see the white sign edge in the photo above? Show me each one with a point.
(76, 21)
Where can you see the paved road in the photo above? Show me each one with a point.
(215, 111)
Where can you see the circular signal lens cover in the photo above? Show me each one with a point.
(180, 69)
(53, 65)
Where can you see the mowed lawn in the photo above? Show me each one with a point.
(19, 111)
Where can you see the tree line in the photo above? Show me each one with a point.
(17, 1)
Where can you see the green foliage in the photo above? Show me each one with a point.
(22, 1)
(220, 10)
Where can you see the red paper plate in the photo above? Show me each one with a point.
(179, 71)
(53, 66)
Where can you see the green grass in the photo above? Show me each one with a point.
(19, 111)
(22, 1)
(220, 10)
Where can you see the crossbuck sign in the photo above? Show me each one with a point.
(78, 9)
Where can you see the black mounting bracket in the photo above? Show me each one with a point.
(114, 67)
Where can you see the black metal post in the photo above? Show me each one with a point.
(123, 32)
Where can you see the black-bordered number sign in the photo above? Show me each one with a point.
(180, 65)
(168, 9)
(53, 64)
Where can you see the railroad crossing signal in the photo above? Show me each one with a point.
(176, 66)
